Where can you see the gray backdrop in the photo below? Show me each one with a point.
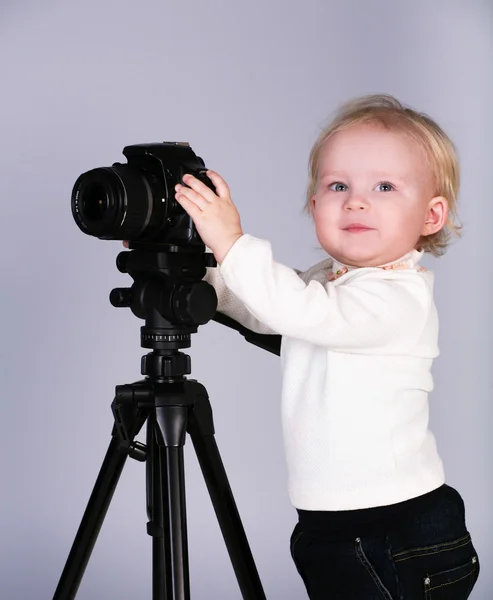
(248, 85)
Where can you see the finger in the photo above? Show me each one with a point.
(188, 206)
(125, 243)
(193, 196)
(200, 187)
(222, 188)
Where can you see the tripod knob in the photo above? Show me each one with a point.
(195, 303)
(122, 261)
(121, 297)
(172, 365)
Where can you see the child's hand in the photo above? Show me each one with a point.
(214, 214)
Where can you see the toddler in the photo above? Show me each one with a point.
(359, 330)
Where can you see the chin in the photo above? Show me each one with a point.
(357, 258)
(354, 255)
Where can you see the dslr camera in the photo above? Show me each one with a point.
(136, 201)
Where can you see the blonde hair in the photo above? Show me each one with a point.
(387, 111)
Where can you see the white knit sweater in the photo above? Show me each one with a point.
(356, 356)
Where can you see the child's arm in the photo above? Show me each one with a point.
(370, 310)
(375, 310)
(231, 306)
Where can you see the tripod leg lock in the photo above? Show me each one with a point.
(154, 530)
(138, 451)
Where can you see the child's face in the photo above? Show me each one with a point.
(379, 179)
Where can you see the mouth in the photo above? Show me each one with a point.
(357, 228)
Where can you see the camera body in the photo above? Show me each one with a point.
(136, 201)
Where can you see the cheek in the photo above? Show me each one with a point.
(325, 225)
(401, 222)
(322, 216)
(322, 208)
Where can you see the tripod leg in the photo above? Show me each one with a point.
(201, 430)
(158, 526)
(171, 424)
(92, 520)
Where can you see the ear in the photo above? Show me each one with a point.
(436, 215)
(312, 203)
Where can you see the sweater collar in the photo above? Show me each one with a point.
(408, 261)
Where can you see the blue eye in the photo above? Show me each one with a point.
(385, 184)
(337, 186)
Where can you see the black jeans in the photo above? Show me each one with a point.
(421, 555)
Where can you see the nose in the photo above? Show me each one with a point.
(356, 202)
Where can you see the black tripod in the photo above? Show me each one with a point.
(168, 292)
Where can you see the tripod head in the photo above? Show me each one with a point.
(169, 294)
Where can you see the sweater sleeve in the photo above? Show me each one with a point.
(374, 311)
(230, 305)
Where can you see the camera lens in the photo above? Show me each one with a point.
(95, 203)
(115, 203)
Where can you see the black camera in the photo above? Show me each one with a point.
(136, 201)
